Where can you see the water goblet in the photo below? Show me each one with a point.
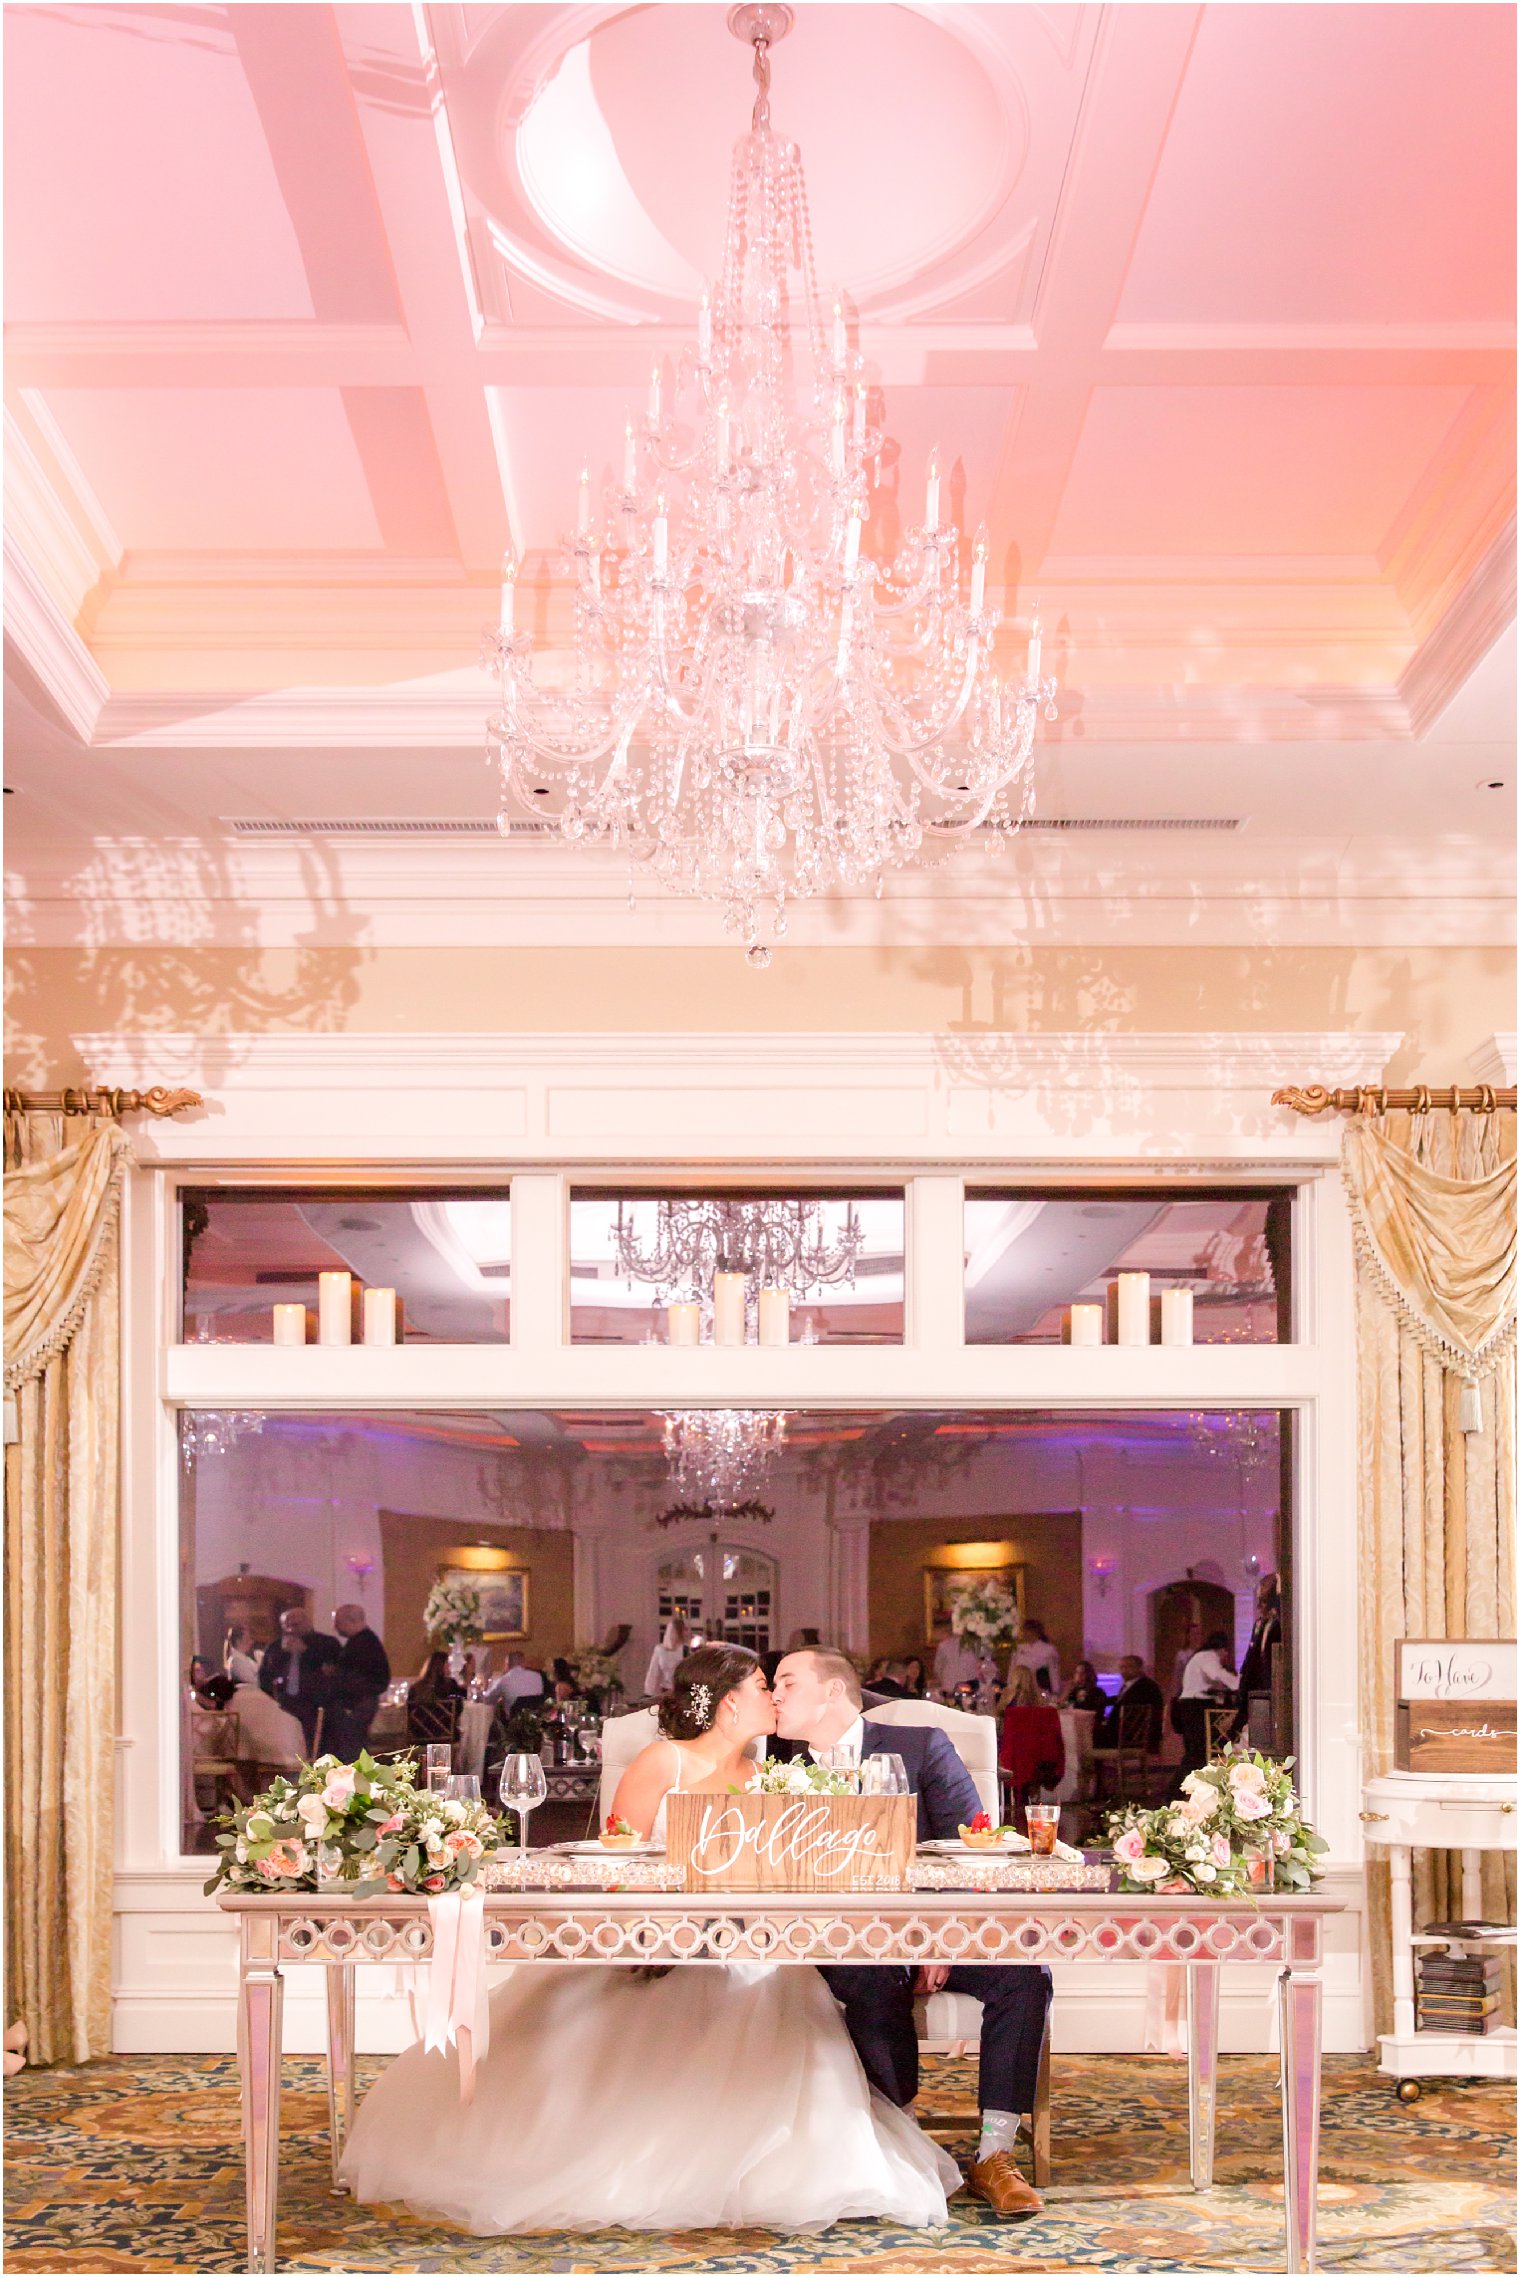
(438, 1760)
(883, 1775)
(523, 1788)
(842, 1761)
(463, 1787)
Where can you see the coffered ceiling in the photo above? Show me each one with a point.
(311, 310)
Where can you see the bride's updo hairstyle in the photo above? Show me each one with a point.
(701, 1683)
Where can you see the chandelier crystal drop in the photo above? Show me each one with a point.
(757, 705)
(211, 1433)
(716, 1454)
(776, 1244)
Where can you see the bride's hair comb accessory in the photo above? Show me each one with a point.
(701, 1704)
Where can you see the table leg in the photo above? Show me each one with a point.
(1203, 2068)
(1301, 2001)
(1401, 1922)
(340, 2060)
(260, 2005)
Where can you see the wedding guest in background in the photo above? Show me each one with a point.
(1037, 1654)
(1134, 1717)
(1032, 1750)
(802, 1640)
(956, 1662)
(211, 1690)
(667, 1657)
(238, 1656)
(359, 1676)
(1084, 1690)
(433, 1689)
(517, 1681)
(297, 1668)
(1256, 1660)
(1207, 1680)
(884, 1678)
(915, 1677)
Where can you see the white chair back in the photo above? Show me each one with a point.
(622, 1739)
(974, 1738)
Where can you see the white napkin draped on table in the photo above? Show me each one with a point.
(457, 2006)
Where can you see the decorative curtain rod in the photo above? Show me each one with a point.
(98, 1099)
(1376, 1098)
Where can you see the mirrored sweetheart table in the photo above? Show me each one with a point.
(911, 1927)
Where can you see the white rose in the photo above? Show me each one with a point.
(1205, 1874)
(455, 1812)
(240, 1851)
(312, 1812)
(1195, 1851)
(432, 1833)
(798, 1780)
(1148, 1869)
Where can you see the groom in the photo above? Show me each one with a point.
(818, 1705)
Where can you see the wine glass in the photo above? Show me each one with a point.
(883, 1775)
(841, 1760)
(523, 1788)
(462, 1787)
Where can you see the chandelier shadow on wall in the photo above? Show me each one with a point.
(753, 709)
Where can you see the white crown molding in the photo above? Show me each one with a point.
(1495, 1059)
(1481, 612)
(981, 1095)
(474, 894)
(50, 645)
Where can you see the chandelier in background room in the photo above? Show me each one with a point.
(717, 1453)
(753, 706)
(776, 1244)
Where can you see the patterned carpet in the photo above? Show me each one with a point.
(135, 2165)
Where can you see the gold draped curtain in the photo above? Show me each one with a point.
(1433, 1207)
(62, 1188)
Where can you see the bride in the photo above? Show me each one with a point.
(708, 2096)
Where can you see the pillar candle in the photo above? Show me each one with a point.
(335, 1308)
(685, 1323)
(728, 1306)
(1087, 1324)
(775, 1316)
(379, 1316)
(1134, 1308)
(1176, 1316)
(290, 1324)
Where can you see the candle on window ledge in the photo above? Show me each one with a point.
(728, 1304)
(1086, 1324)
(290, 1324)
(379, 1316)
(775, 1309)
(1133, 1304)
(1176, 1316)
(685, 1322)
(335, 1308)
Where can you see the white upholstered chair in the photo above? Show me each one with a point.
(622, 1738)
(974, 1738)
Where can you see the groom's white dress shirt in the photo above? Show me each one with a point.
(849, 1742)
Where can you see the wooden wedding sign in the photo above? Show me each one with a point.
(1456, 1705)
(791, 1842)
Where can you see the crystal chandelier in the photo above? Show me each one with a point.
(717, 1452)
(213, 1432)
(778, 1244)
(754, 707)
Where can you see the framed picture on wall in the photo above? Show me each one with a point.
(503, 1600)
(940, 1582)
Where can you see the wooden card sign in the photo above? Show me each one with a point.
(1456, 1668)
(791, 1842)
(1457, 1735)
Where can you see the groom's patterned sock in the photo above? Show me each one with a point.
(999, 2133)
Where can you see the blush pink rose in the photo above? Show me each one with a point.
(288, 1859)
(462, 1844)
(393, 1824)
(1221, 1850)
(1251, 1803)
(1130, 1846)
(434, 1882)
(338, 1787)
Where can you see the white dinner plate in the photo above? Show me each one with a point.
(623, 1850)
(1016, 1846)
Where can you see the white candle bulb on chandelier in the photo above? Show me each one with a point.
(880, 734)
(979, 570)
(583, 503)
(508, 592)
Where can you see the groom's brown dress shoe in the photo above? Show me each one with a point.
(998, 2182)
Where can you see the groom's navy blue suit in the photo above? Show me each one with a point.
(878, 2002)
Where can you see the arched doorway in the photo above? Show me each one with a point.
(724, 1590)
(1182, 1615)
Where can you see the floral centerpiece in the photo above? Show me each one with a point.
(1238, 1823)
(451, 1615)
(593, 1669)
(802, 1778)
(361, 1824)
(985, 1613)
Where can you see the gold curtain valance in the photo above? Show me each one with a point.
(1442, 1248)
(59, 1215)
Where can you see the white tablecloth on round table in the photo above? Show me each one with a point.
(474, 1730)
(1077, 1735)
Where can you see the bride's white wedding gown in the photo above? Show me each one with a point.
(712, 2097)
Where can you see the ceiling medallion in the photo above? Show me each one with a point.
(754, 709)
